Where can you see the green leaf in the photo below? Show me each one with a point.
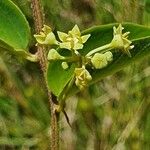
(100, 35)
(14, 28)
(58, 78)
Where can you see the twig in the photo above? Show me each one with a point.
(38, 16)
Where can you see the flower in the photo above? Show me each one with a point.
(72, 40)
(101, 60)
(120, 40)
(46, 37)
(82, 77)
(54, 55)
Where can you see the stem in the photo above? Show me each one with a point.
(63, 96)
(32, 57)
(102, 48)
(39, 22)
(67, 59)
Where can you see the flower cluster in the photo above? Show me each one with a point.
(73, 41)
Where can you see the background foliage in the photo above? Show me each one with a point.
(99, 115)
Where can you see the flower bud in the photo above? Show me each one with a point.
(99, 61)
(64, 65)
(109, 56)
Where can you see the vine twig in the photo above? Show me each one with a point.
(38, 17)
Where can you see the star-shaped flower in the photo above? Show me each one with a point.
(120, 40)
(46, 37)
(73, 40)
(82, 77)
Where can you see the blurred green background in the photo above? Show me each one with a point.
(99, 116)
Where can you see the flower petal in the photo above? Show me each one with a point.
(118, 30)
(85, 38)
(46, 29)
(88, 76)
(50, 39)
(126, 41)
(54, 55)
(66, 45)
(78, 46)
(39, 38)
(114, 30)
(132, 46)
(75, 31)
(125, 35)
(62, 36)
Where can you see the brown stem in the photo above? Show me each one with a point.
(39, 21)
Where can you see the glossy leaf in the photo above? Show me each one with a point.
(100, 35)
(14, 28)
(139, 35)
(57, 77)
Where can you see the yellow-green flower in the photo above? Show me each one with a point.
(120, 40)
(82, 76)
(99, 61)
(46, 37)
(73, 40)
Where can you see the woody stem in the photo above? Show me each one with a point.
(38, 17)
